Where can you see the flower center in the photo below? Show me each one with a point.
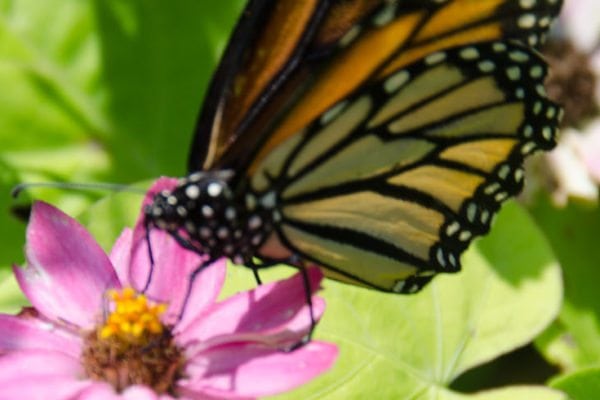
(133, 318)
(571, 81)
(133, 347)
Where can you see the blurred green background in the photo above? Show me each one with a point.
(109, 90)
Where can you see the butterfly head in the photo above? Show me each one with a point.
(203, 211)
(198, 195)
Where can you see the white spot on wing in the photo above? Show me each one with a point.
(396, 81)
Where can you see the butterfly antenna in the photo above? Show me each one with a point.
(111, 187)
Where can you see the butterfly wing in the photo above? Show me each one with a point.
(256, 53)
(389, 186)
(289, 61)
(265, 48)
(386, 134)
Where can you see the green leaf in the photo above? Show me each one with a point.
(157, 58)
(11, 297)
(580, 385)
(123, 78)
(48, 71)
(51, 121)
(12, 231)
(574, 341)
(99, 90)
(415, 346)
(107, 218)
(512, 393)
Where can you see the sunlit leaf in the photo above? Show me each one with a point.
(573, 233)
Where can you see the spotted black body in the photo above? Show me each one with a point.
(204, 213)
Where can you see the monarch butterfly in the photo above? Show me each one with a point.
(373, 138)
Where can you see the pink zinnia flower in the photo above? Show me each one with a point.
(90, 335)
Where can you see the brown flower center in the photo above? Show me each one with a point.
(133, 347)
(571, 81)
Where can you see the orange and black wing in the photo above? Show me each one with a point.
(389, 186)
(382, 136)
(288, 61)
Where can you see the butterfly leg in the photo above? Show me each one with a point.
(295, 261)
(205, 263)
(254, 267)
(150, 255)
(308, 294)
(190, 285)
(178, 238)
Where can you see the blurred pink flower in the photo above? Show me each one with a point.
(90, 335)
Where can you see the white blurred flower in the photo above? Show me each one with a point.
(569, 165)
(575, 163)
(580, 20)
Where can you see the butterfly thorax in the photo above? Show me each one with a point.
(204, 213)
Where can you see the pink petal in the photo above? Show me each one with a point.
(42, 388)
(120, 256)
(139, 393)
(23, 333)
(34, 364)
(97, 391)
(103, 391)
(268, 309)
(67, 272)
(187, 393)
(254, 371)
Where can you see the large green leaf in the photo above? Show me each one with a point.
(99, 90)
(47, 117)
(125, 76)
(156, 59)
(414, 347)
(574, 341)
